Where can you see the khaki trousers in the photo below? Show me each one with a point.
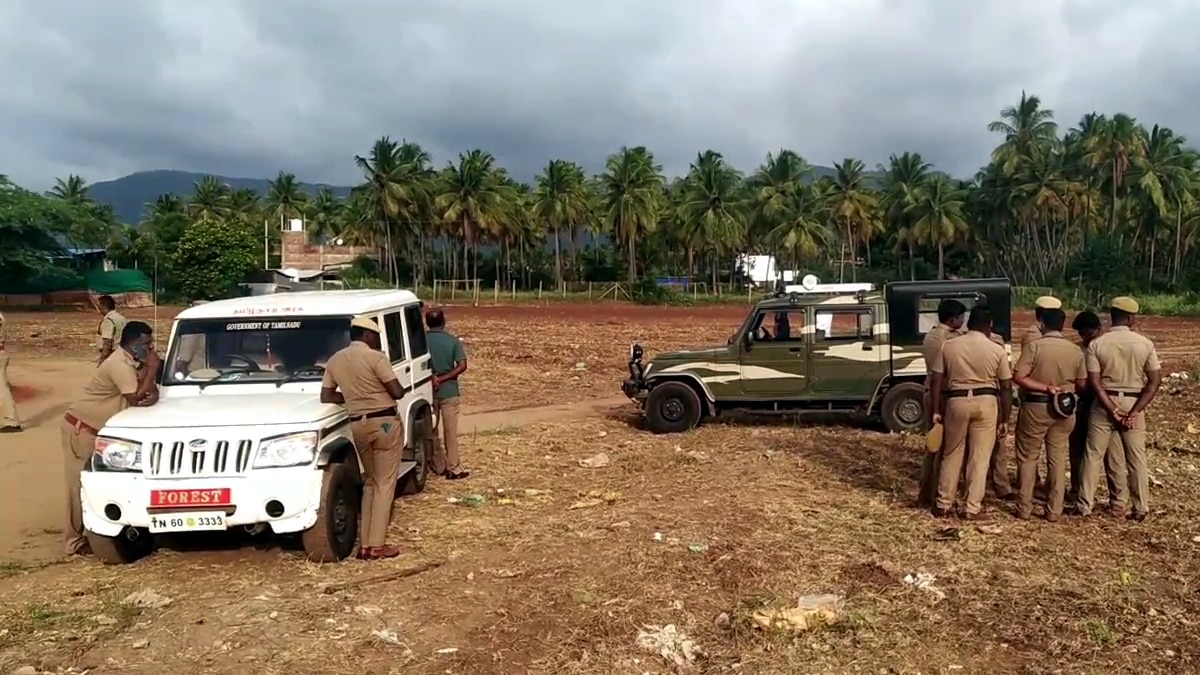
(78, 443)
(379, 443)
(969, 420)
(1079, 450)
(446, 452)
(1036, 426)
(8, 407)
(1125, 450)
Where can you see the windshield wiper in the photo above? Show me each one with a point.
(231, 371)
(303, 372)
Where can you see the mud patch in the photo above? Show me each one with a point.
(23, 393)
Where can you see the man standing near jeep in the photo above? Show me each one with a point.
(950, 314)
(449, 360)
(369, 390)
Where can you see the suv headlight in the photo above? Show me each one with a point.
(116, 454)
(289, 450)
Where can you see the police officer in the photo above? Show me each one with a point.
(108, 333)
(449, 360)
(124, 379)
(8, 406)
(1040, 306)
(361, 378)
(951, 314)
(1087, 325)
(977, 378)
(1123, 370)
(1048, 367)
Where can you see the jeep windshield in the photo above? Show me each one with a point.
(237, 351)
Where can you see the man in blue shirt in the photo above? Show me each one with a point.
(449, 360)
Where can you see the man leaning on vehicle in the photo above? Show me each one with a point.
(126, 378)
(369, 390)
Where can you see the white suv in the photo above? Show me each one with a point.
(240, 438)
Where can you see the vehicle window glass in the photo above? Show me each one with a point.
(843, 324)
(394, 328)
(416, 331)
(254, 351)
(927, 310)
(779, 326)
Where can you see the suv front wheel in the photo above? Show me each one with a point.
(672, 407)
(332, 537)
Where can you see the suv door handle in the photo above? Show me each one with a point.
(795, 349)
(407, 369)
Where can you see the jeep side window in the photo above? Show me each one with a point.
(779, 326)
(844, 324)
(394, 330)
(416, 331)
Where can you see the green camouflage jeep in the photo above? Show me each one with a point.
(813, 348)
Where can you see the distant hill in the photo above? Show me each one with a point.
(129, 195)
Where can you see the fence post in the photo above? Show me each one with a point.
(496, 292)
(589, 290)
(514, 290)
(539, 290)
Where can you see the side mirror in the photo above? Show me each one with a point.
(747, 341)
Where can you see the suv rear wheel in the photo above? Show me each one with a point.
(423, 440)
(903, 408)
(332, 537)
(672, 407)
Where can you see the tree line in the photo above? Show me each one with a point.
(1106, 203)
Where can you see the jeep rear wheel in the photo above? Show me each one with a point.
(332, 537)
(904, 408)
(120, 550)
(423, 440)
(672, 407)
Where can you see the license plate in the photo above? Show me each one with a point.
(185, 498)
(187, 522)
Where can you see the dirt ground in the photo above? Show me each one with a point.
(561, 565)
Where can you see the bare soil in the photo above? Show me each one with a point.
(562, 565)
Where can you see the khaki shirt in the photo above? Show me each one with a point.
(933, 344)
(972, 361)
(1052, 360)
(3, 332)
(1034, 333)
(110, 329)
(104, 394)
(360, 372)
(1123, 358)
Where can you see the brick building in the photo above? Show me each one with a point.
(297, 252)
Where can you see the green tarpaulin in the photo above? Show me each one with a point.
(61, 279)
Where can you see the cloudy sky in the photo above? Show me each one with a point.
(249, 87)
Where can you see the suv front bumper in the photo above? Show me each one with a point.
(298, 489)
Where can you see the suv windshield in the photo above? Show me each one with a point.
(234, 350)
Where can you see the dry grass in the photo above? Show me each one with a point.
(561, 581)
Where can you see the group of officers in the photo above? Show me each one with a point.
(1084, 406)
(358, 377)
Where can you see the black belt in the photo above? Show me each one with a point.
(982, 391)
(1133, 394)
(388, 412)
(1032, 397)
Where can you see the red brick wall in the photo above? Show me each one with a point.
(300, 254)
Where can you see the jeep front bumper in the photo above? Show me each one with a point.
(297, 489)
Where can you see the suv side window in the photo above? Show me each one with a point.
(416, 331)
(394, 336)
(781, 326)
(927, 308)
(844, 324)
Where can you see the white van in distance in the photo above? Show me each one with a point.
(240, 438)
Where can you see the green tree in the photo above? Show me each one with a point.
(213, 257)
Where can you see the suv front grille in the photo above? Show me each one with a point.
(211, 459)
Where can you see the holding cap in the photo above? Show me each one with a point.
(1048, 302)
(1125, 304)
(364, 323)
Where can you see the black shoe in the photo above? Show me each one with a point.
(10, 429)
(455, 476)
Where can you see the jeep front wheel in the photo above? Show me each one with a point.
(332, 537)
(672, 407)
(903, 408)
(129, 546)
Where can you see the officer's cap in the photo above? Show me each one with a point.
(933, 438)
(364, 323)
(1125, 304)
(1048, 302)
(1063, 404)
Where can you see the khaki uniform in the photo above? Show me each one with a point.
(103, 396)
(1000, 455)
(1055, 361)
(360, 373)
(8, 406)
(931, 463)
(110, 329)
(973, 366)
(1123, 359)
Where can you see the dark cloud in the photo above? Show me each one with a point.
(247, 87)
